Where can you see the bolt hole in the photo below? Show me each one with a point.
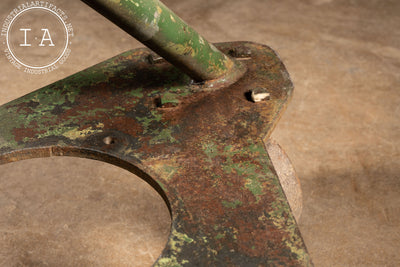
(108, 140)
(150, 59)
(157, 102)
(198, 83)
(240, 53)
(247, 95)
(232, 52)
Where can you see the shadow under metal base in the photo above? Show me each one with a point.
(201, 148)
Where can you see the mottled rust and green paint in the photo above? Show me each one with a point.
(156, 26)
(204, 154)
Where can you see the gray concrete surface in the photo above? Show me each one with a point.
(341, 132)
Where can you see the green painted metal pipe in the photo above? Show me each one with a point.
(156, 26)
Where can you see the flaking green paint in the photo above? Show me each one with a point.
(177, 240)
(163, 136)
(154, 24)
(167, 262)
(147, 121)
(40, 106)
(255, 174)
(232, 205)
(219, 236)
(74, 133)
(168, 97)
(168, 171)
(135, 93)
(211, 150)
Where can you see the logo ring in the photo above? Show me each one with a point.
(66, 43)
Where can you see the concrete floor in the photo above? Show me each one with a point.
(341, 131)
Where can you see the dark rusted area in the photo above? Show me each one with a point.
(201, 148)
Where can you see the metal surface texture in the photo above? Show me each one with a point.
(160, 29)
(201, 148)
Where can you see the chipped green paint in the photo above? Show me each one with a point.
(183, 237)
(155, 25)
(233, 204)
(44, 107)
(167, 171)
(88, 78)
(151, 124)
(219, 236)
(211, 150)
(173, 96)
(180, 91)
(74, 134)
(177, 241)
(254, 174)
(137, 93)
(169, 98)
(168, 262)
(149, 120)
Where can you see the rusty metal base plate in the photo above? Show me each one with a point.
(200, 145)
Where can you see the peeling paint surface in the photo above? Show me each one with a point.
(156, 26)
(201, 149)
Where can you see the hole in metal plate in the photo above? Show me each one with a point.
(64, 211)
(108, 140)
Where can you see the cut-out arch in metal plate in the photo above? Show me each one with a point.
(68, 211)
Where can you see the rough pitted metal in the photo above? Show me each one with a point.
(201, 149)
